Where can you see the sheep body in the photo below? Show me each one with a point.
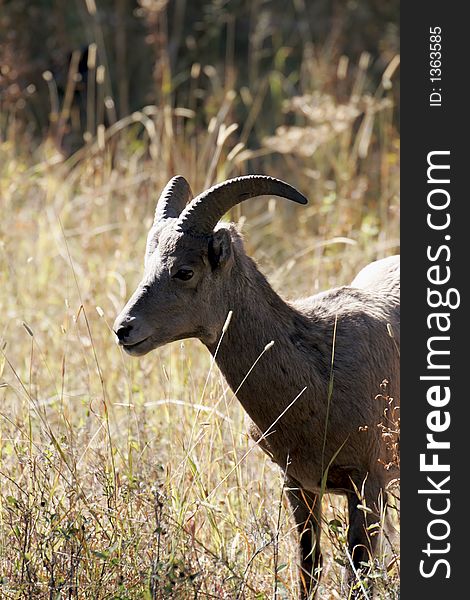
(381, 276)
(351, 319)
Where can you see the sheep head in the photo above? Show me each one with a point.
(188, 260)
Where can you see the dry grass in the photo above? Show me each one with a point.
(113, 470)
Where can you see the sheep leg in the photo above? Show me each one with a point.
(362, 538)
(307, 513)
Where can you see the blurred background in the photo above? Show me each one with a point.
(127, 54)
(124, 478)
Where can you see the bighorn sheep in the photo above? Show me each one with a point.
(336, 344)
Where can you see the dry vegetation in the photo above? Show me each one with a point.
(124, 478)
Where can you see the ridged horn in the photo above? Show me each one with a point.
(173, 199)
(203, 212)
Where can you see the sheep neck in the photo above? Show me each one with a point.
(259, 317)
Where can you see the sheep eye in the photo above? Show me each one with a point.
(184, 274)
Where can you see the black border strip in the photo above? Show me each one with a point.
(442, 126)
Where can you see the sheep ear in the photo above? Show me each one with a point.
(220, 249)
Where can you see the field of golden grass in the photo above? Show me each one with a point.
(124, 478)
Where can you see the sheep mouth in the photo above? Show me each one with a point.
(139, 348)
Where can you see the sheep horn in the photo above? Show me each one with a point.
(203, 212)
(173, 199)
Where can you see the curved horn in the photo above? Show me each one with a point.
(173, 199)
(203, 212)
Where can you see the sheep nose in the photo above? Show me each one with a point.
(123, 331)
